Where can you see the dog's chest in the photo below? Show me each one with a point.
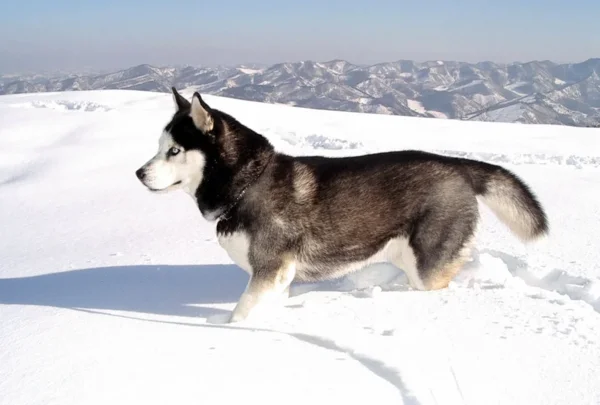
(237, 246)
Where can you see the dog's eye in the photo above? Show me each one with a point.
(173, 151)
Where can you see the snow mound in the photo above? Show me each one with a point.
(315, 141)
(110, 294)
(578, 162)
(67, 105)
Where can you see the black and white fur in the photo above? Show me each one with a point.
(283, 218)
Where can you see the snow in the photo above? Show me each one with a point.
(514, 86)
(510, 113)
(106, 289)
(416, 106)
(470, 84)
(249, 71)
(437, 114)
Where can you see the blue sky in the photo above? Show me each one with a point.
(107, 34)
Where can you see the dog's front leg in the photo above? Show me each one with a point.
(267, 286)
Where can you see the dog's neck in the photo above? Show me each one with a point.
(240, 194)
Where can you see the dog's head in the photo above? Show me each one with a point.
(182, 148)
(204, 152)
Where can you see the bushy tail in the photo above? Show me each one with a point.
(509, 198)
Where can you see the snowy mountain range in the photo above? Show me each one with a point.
(538, 92)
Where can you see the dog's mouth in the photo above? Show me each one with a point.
(159, 190)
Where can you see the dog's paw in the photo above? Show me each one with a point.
(236, 317)
(219, 319)
(225, 318)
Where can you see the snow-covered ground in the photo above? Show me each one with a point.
(107, 291)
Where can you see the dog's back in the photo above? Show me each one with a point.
(336, 214)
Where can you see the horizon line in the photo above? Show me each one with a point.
(92, 70)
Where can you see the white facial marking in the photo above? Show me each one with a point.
(173, 167)
(192, 171)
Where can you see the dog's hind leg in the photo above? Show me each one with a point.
(403, 256)
(442, 238)
(266, 286)
(441, 277)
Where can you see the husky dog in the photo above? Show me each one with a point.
(283, 218)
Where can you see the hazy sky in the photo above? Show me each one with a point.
(106, 34)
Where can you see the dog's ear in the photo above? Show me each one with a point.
(201, 114)
(180, 101)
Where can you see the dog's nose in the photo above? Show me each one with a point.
(140, 173)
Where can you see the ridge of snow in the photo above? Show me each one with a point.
(110, 294)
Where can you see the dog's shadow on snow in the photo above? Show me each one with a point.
(168, 290)
(182, 290)
(152, 289)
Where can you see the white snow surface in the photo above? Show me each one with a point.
(106, 290)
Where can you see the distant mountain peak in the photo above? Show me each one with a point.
(531, 92)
